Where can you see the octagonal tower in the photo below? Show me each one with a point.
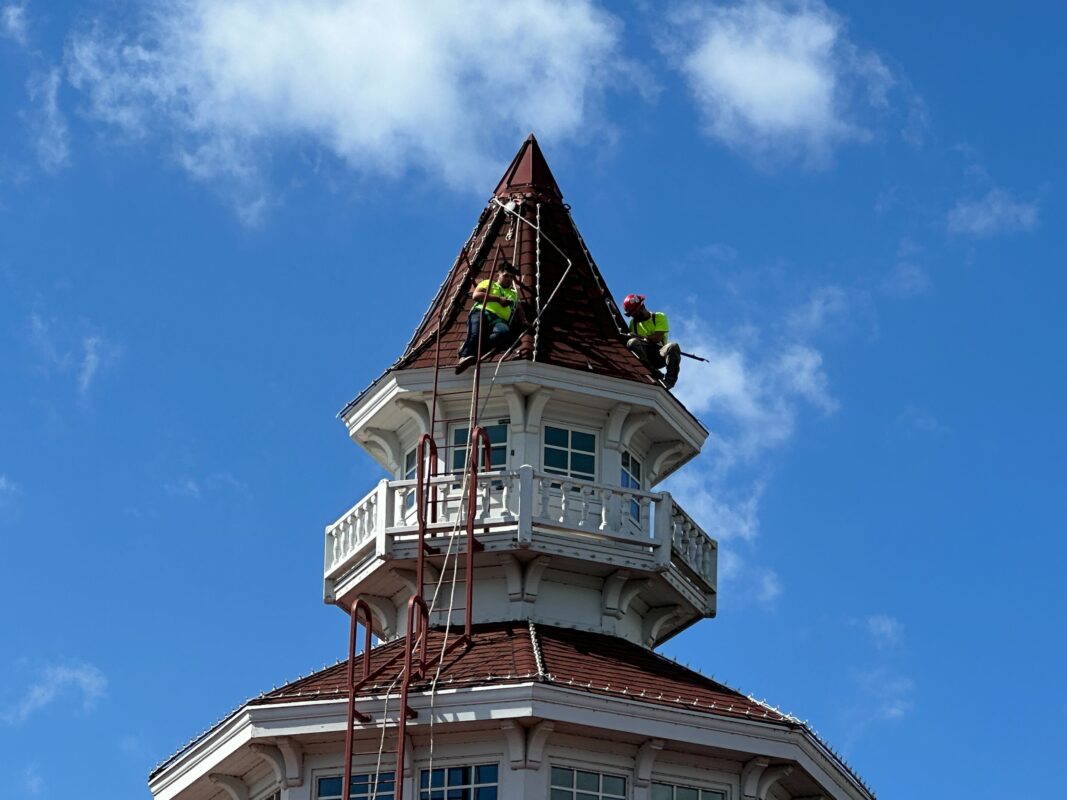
(533, 673)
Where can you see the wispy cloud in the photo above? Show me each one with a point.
(48, 125)
(195, 488)
(778, 80)
(9, 490)
(885, 631)
(14, 24)
(381, 88)
(83, 680)
(32, 780)
(997, 212)
(755, 386)
(906, 279)
(73, 349)
(916, 418)
(882, 696)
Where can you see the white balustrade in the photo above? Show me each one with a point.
(528, 500)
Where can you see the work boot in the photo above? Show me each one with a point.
(672, 355)
(464, 363)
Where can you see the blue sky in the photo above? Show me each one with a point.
(220, 221)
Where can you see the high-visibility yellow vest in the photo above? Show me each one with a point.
(493, 307)
(654, 324)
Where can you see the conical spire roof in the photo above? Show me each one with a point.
(567, 316)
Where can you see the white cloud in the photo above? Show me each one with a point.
(997, 212)
(778, 79)
(84, 679)
(751, 392)
(14, 24)
(906, 279)
(185, 487)
(446, 88)
(890, 694)
(65, 348)
(823, 305)
(914, 418)
(32, 780)
(51, 137)
(9, 490)
(885, 630)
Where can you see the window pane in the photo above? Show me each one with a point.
(329, 787)
(410, 464)
(707, 794)
(586, 796)
(588, 780)
(485, 793)
(458, 794)
(498, 434)
(499, 456)
(459, 776)
(583, 441)
(557, 437)
(685, 793)
(614, 785)
(555, 459)
(486, 773)
(560, 777)
(661, 791)
(562, 794)
(582, 464)
(459, 435)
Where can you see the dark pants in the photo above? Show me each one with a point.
(656, 357)
(497, 333)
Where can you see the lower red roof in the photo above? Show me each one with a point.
(507, 653)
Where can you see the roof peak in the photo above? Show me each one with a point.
(529, 173)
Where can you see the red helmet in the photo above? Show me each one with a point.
(633, 303)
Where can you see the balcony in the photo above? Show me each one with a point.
(644, 533)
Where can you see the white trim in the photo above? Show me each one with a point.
(515, 702)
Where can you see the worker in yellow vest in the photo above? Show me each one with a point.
(499, 299)
(649, 332)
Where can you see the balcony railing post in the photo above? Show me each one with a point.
(664, 528)
(524, 534)
(383, 519)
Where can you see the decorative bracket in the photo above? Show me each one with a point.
(384, 612)
(657, 619)
(388, 443)
(536, 738)
(619, 591)
(646, 758)
(523, 581)
(516, 737)
(750, 776)
(418, 411)
(236, 788)
(770, 777)
(285, 757)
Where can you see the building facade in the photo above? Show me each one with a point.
(549, 573)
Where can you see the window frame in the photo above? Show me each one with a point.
(571, 429)
(722, 791)
(623, 775)
(626, 472)
(357, 771)
(453, 449)
(429, 790)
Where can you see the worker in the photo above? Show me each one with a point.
(648, 340)
(499, 299)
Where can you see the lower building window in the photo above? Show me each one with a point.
(668, 791)
(579, 784)
(631, 479)
(498, 452)
(362, 786)
(478, 782)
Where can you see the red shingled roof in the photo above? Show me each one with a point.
(581, 327)
(504, 653)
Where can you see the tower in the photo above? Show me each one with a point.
(519, 568)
